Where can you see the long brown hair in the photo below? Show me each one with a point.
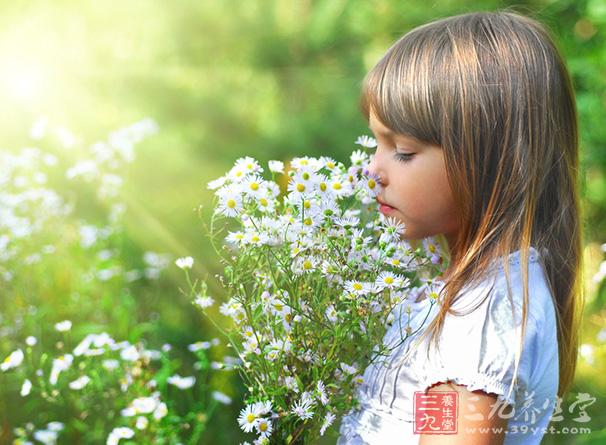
(492, 90)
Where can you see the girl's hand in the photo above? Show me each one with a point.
(472, 405)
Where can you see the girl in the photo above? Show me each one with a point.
(476, 126)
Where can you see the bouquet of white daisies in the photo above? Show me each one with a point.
(312, 273)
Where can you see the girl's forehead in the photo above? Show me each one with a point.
(377, 127)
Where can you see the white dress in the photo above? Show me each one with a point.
(476, 350)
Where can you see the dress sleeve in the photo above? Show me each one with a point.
(478, 349)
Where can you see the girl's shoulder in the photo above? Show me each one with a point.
(502, 287)
(478, 342)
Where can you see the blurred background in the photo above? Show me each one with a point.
(197, 85)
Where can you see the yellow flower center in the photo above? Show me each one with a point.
(307, 204)
(357, 286)
(371, 184)
(336, 186)
(307, 265)
(254, 186)
(263, 202)
(300, 187)
(231, 203)
(251, 418)
(323, 186)
(388, 280)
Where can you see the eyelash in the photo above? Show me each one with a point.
(404, 157)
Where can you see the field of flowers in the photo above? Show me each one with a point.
(81, 365)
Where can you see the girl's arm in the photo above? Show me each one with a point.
(471, 404)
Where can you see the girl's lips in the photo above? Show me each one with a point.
(384, 208)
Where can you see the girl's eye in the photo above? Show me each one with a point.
(404, 157)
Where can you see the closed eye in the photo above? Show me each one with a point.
(404, 157)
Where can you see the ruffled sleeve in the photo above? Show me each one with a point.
(477, 349)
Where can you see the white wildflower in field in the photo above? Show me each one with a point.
(204, 302)
(31, 341)
(185, 263)
(63, 326)
(60, 364)
(181, 382)
(12, 361)
(141, 423)
(46, 437)
(199, 345)
(26, 388)
(221, 397)
(328, 421)
(119, 433)
(80, 382)
(130, 353)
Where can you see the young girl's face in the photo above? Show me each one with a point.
(415, 186)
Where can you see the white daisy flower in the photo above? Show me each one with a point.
(358, 158)
(46, 437)
(248, 165)
(432, 249)
(248, 418)
(389, 280)
(366, 141)
(264, 427)
(263, 407)
(63, 326)
(253, 186)
(322, 392)
(185, 262)
(217, 183)
(31, 341)
(119, 433)
(199, 345)
(79, 383)
(328, 420)
(230, 204)
(204, 302)
(181, 382)
(60, 364)
(141, 423)
(26, 388)
(356, 287)
(276, 166)
(221, 397)
(331, 314)
(328, 163)
(306, 162)
(12, 361)
(303, 408)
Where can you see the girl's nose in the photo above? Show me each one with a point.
(375, 170)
